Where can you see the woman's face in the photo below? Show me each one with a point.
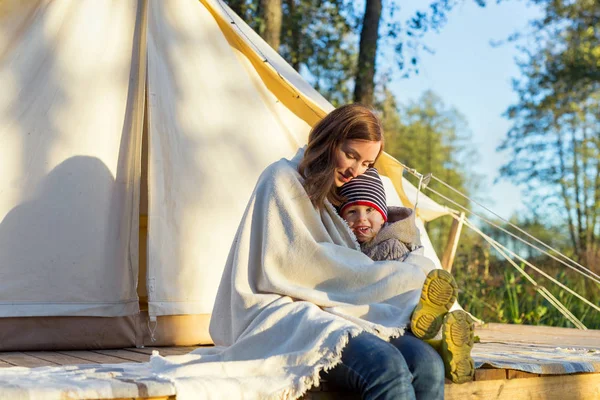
(353, 158)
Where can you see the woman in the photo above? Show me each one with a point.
(298, 299)
(406, 367)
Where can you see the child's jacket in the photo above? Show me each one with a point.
(398, 237)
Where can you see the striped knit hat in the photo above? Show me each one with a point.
(365, 190)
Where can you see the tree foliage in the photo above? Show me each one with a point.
(555, 138)
(336, 46)
(405, 37)
(317, 38)
(432, 138)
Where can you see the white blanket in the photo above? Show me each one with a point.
(294, 289)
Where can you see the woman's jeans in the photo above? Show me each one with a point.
(405, 368)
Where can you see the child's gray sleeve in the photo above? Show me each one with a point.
(390, 249)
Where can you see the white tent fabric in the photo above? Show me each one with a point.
(73, 74)
(70, 136)
(213, 128)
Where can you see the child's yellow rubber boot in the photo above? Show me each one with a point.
(438, 295)
(457, 343)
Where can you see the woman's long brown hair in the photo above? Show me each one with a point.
(349, 122)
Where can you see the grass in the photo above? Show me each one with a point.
(494, 291)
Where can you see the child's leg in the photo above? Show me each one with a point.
(437, 297)
(457, 343)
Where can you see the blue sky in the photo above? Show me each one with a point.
(475, 78)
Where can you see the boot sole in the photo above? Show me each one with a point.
(457, 343)
(438, 295)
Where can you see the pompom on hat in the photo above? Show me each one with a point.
(365, 190)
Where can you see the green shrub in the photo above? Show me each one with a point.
(494, 291)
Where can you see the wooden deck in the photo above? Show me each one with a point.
(32, 359)
(489, 383)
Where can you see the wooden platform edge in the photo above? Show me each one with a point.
(575, 386)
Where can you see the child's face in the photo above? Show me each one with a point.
(364, 221)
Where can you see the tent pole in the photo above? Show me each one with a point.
(452, 244)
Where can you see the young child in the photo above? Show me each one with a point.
(384, 233)
(390, 233)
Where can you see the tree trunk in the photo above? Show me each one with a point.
(594, 220)
(563, 186)
(578, 191)
(270, 13)
(365, 76)
(588, 190)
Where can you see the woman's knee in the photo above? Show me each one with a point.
(432, 366)
(423, 360)
(375, 359)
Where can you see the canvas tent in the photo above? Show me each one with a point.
(131, 136)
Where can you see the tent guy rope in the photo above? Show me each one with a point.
(576, 267)
(503, 250)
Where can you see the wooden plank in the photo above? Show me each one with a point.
(579, 386)
(57, 358)
(187, 349)
(143, 221)
(166, 351)
(515, 374)
(142, 350)
(163, 351)
(489, 374)
(542, 329)
(19, 359)
(548, 335)
(130, 356)
(91, 357)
